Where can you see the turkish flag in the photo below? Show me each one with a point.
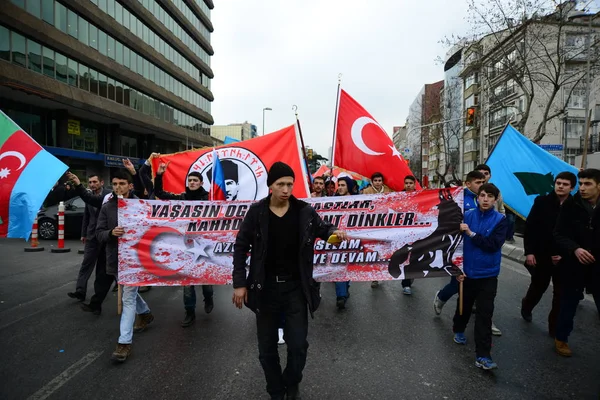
(363, 146)
(244, 165)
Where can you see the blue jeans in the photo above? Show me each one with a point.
(132, 304)
(449, 290)
(189, 296)
(510, 232)
(569, 301)
(341, 289)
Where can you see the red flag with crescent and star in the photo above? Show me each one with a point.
(362, 145)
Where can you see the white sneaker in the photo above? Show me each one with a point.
(281, 341)
(407, 290)
(438, 304)
(495, 330)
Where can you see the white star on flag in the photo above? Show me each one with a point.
(198, 251)
(395, 152)
(4, 173)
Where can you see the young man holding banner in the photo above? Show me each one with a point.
(482, 259)
(279, 232)
(193, 192)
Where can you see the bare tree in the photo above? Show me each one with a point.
(540, 45)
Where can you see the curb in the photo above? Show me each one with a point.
(514, 253)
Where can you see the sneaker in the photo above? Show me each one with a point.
(485, 363)
(374, 284)
(341, 303)
(90, 308)
(144, 289)
(562, 348)
(407, 291)
(77, 295)
(495, 330)
(208, 305)
(438, 304)
(121, 352)
(460, 338)
(190, 317)
(281, 341)
(142, 321)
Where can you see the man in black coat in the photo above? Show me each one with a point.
(93, 253)
(279, 232)
(193, 192)
(541, 252)
(577, 235)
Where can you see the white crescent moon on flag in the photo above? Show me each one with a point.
(357, 138)
(15, 154)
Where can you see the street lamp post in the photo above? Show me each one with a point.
(265, 109)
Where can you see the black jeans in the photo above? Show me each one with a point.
(541, 274)
(571, 296)
(276, 299)
(481, 292)
(94, 253)
(102, 285)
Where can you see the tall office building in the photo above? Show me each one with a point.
(95, 81)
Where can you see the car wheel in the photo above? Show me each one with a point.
(47, 229)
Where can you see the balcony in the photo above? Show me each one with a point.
(471, 156)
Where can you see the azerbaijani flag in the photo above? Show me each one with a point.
(27, 173)
(217, 187)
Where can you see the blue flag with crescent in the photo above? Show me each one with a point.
(523, 170)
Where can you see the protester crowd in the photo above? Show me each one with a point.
(561, 240)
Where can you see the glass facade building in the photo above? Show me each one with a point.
(134, 75)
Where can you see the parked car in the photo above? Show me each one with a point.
(48, 220)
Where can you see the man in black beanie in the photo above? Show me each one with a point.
(279, 232)
(193, 192)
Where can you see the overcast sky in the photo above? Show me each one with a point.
(277, 53)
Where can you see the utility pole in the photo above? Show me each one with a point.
(588, 88)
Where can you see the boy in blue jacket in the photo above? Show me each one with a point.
(484, 231)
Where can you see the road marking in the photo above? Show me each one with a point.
(63, 378)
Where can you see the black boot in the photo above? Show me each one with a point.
(91, 308)
(208, 305)
(77, 295)
(341, 303)
(190, 317)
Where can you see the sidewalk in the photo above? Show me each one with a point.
(514, 251)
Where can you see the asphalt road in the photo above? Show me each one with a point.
(383, 346)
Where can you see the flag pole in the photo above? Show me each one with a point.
(295, 108)
(586, 142)
(335, 119)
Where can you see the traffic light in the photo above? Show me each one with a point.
(309, 153)
(470, 120)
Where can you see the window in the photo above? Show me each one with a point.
(521, 104)
(126, 57)
(60, 17)
(119, 92)
(48, 12)
(93, 81)
(575, 40)
(4, 44)
(126, 18)
(102, 42)
(111, 89)
(72, 71)
(119, 52)
(102, 85)
(19, 3)
(111, 8)
(133, 62)
(18, 49)
(33, 8)
(470, 101)
(61, 67)
(84, 28)
(575, 127)
(111, 47)
(84, 77)
(102, 4)
(119, 13)
(72, 23)
(35, 56)
(93, 37)
(577, 99)
(128, 146)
